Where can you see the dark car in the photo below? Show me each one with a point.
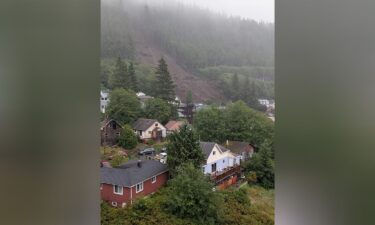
(147, 151)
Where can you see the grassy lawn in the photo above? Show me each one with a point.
(262, 204)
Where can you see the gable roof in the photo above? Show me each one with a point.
(239, 146)
(173, 125)
(129, 174)
(208, 146)
(143, 124)
(106, 121)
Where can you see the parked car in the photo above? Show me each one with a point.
(147, 151)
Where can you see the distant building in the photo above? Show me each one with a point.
(221, 164)
(122, 185)
(104, 100)
(147, 129)
(143, 98)
(173, 126)
(110, 131)
(244, 149)
(270, 104)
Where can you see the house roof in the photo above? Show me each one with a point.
(239, 146)
(106, 121)
(143, 124)
(174, 125)
(129, 174)
(208, 146)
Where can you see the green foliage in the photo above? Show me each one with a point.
(128, 139)
(118, 160)
(191, 196)
(132, 77)
(237, 204)
(165, 86)
(119, 78)
(189, 97)
(123, 106)
(262, 164)
(158, 109)
(183, 147)
(236, 122)
(210, 125)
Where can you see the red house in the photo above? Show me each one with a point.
(120, 186)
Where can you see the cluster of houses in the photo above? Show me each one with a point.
(122, 185)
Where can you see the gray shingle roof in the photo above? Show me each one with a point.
(129, 174)
(208, 146)
(143, 124)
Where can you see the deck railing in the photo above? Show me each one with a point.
(219, 176)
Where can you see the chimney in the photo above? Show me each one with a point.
(139, 163)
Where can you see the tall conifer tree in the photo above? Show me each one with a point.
(119, 77)
(165, 85)
(132, 77)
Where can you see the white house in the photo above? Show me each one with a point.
(104, 100)
(143, 98)
(149, 129)
(218, 158)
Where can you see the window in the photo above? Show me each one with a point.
(203, 169)
(114, 204)
(114, 126)
(223, 160)
(153, 179)
(213, 153)
(139, 187)
(213, 167)
(156, 124)
(118, 190)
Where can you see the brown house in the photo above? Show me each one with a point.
(109, 132)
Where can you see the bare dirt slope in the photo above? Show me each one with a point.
(202, 89)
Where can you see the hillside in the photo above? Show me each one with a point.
(193, 41)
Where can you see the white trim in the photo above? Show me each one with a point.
(153, 179)
(120, 192)
(114, 204)
(141, 189)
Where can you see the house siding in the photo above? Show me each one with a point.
(129, 194)
(108, 135)
(147, 135)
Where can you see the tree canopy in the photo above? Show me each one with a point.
(123, 106)
(158, 109)
(183, 147)
(128, 139)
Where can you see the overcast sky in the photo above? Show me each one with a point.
(260, 10)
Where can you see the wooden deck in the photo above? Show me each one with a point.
(220, 176)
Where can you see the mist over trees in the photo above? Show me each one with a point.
(207, 44)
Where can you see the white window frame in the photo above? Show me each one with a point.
(140, 189)
(118, 193)
(153, 179)
(114, 204)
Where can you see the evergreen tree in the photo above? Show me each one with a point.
(132, 77)
(127, 138)
(189, 97)
(183, 147)
(158, 109)
(190, 196)
(119, 77)
(262, 164)
(235, 87)
(165, 85)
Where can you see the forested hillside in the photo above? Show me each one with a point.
(202, 45)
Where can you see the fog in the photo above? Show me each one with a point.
(259, 10)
